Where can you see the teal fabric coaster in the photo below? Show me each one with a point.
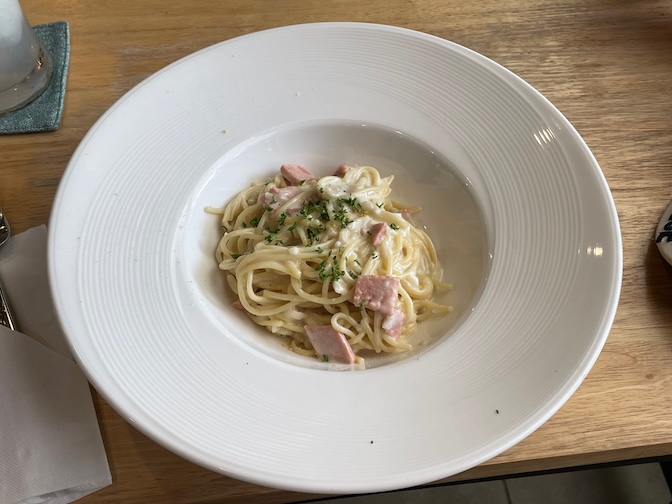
(44, 114)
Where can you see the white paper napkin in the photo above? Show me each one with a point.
(51, 450)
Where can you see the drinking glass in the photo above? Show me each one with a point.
(25, 65)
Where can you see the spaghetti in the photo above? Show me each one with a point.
(333, 264)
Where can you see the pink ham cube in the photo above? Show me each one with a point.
(276, 197)
(341, 170)
(328, 342)
(295, 174)
(378, 232)
(392, 324)
(378, 293)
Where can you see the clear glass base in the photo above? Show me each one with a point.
(32, 86)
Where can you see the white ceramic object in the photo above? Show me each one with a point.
(521, 214)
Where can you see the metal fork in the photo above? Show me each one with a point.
(6, 317)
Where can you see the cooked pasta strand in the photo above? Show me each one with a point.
(293, 255)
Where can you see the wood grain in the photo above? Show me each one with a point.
(606, 64)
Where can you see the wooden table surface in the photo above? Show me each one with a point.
(606, 64)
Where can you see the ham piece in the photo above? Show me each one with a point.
(392, 324)
(379, 293)
(328, 342)
(276, 197)
(408, 216)
(378, 232)
(341, 170)
(295, 174)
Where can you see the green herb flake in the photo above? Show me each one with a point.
(269, 207)
(351, 202)
(361, 306)
(380, 205)
(325, 358)
(356, 261)
(236, 256)
(336, 272)
(374, 255)
(271, 234)
(254, 222)
(353, 275)
(319, 250)
(322, 274)
(394, 226)
(292, 228)
(302, 182)
(312, 232)
(324, 213)
(281, 219)
(326, 270)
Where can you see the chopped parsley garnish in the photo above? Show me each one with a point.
(321, 190)
(394, 226)
(312, 232)
(292, 228)
(325, 358)
(351, 202)
(236, 256)
(319, 207)
(302, 182)
(270, 237)
(380, 205)
(326, 270)
(361, 306)
(336, 273)
(319, 250)
(374, 255)
(342, 217)
(354, 204)
(341, 214)
(322, 208)
(321, 271)
(269, 207)
(353, 275)
(254, 222)
(356, 261)
(281, 219)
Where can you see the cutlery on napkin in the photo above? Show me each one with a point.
(51, 450)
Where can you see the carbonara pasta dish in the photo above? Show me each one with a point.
(332, 264)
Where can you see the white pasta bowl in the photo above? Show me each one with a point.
(521, 215)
